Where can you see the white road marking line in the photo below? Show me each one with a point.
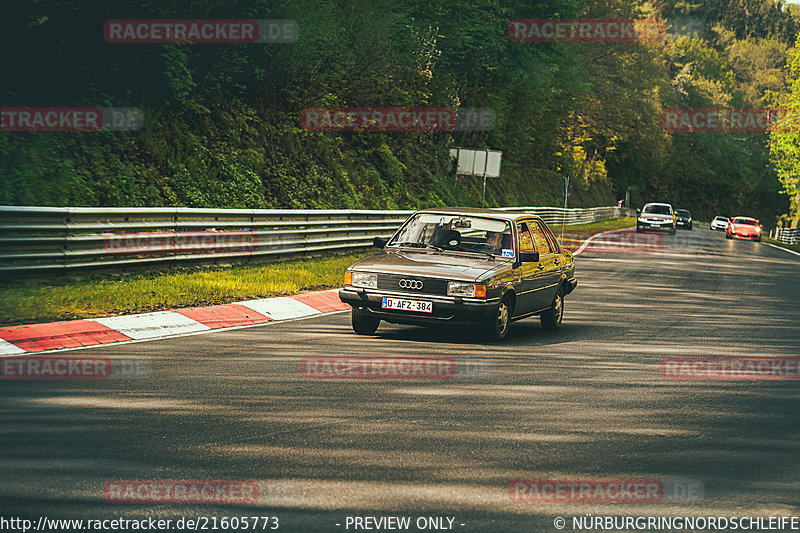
(593, 237)
(782, 248)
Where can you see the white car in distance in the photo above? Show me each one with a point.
(720, 223)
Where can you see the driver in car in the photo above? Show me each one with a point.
(494, 239)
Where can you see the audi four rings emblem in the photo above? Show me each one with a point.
(410, 284)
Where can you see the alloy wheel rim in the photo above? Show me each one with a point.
(559, 308)
(502, 317)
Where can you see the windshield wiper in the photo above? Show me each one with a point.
(418, 245)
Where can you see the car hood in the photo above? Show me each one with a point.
(431, 264)
(655, 216)
(743, 228)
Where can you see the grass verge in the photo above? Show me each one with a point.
(597, 227)
(23, 302)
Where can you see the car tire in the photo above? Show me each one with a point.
(551, 319)
(758, 239)
(672, 231)
(497, 327)
(728, 236)
(690, 227)
(639, 229)
(364, 324)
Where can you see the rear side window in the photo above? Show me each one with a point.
(554, 245)
(539, 238)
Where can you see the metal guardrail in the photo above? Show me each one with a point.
(786, 235)
(69, 239)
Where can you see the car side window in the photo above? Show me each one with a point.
(525, 241)
(554, 245)
(539, 239)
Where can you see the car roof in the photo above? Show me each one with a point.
(492, 213)
(746, 218)
(658, 203)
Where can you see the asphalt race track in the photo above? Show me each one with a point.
(588, 402)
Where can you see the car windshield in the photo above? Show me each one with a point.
(656, 209)
(456, 232)
(721, 219)
(683, 213)
(744, 221)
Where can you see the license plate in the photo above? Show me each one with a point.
(401, 304)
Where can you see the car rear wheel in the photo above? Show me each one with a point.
(364, 324)
(672, 231)
(728, 235)
(497, 326)
(551, 319)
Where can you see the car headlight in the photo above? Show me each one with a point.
(470, 290)
(365, 279)
(758, 230)
(642, 219)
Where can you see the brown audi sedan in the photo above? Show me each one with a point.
(462, 266)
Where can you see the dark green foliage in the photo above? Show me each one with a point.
(222, 121)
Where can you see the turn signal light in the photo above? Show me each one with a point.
(480, 291)
(348, 278)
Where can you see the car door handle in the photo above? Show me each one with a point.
(540, 267)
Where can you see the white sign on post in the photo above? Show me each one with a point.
(484, 163)
(477, 162)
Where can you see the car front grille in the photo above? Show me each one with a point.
(391, 282)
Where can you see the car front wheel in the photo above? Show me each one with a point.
(497, 326)
(551, 319)
(364, 324)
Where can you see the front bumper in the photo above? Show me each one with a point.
(745, 236)
(446, 309)
(654, 226)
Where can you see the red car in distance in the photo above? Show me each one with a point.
(744, 228)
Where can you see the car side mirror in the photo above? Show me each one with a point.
(379, 242)
(638, 211)
(529, 257)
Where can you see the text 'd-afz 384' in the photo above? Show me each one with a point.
(462, 266)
